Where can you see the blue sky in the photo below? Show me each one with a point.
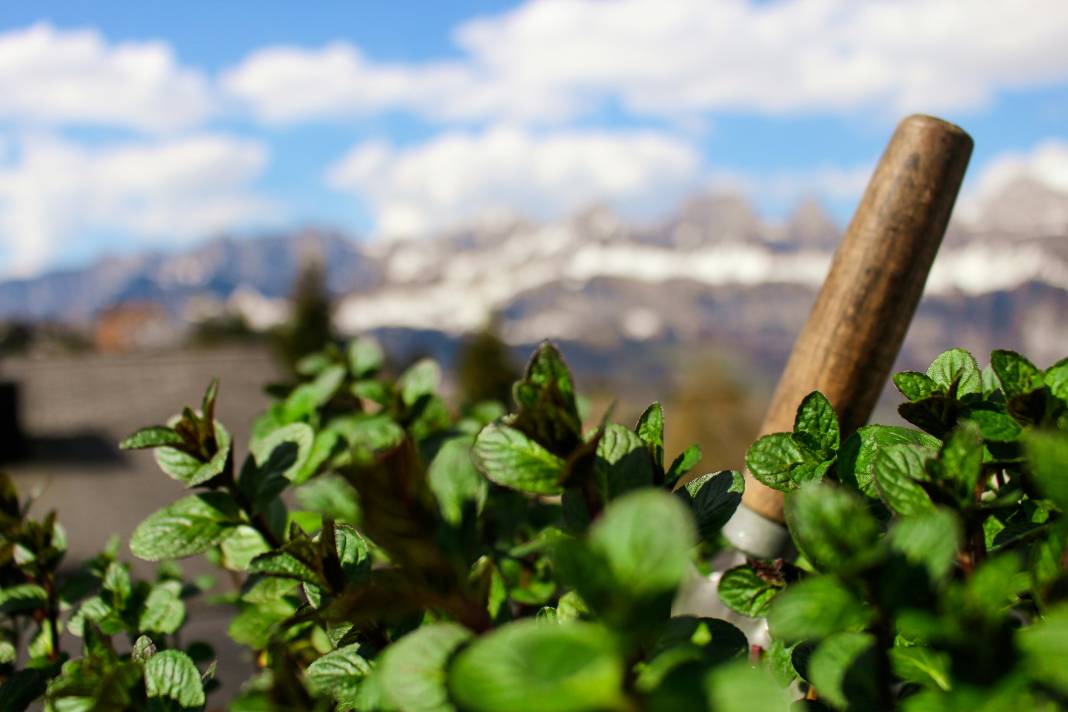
(128, 126)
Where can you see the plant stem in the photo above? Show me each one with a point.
(258, 521)
(52, 613)
(883, 674)
(884, 641)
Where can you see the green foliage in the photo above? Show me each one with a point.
(785, 461)
(386, 553)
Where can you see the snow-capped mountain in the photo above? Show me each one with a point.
(712, 270)
(216, 269)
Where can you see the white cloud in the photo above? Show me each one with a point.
(289, 83)
(53, 192)
(555, 59)
(1020, 192)
(76, 77)
(1045, 164)
(459, 177)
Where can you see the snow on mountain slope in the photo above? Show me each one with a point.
(592, 276)
(456, 291)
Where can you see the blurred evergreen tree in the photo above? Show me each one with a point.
(310, 327)
(485, 368)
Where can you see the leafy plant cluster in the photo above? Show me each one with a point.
(387, 554)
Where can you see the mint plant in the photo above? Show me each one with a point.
(386, 553)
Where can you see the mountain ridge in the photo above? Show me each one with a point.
(590, 276)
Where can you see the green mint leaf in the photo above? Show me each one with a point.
(511, 459)
(995, 426)
(859, 453)
(936, 414)
(256, 624)
(94, 610)
(163, 610)
(548, 409)
(207, 403)
(930, 539)
(189, 526)
(563, 667)
(960, 462)
(419, 381)
(1047, 453)
(332, 496)
(240, 546)
(650, 428)
(353, 553)
(922, 666)
(369, 437)
(914, 385)
(993, 586)
(898, 470)
(313, 364)
(1056, 379)
(22, 597)
(547, 369)
(365, 357)
(412, 671)
(816, 608)
(1016, 374)
(339, 674)
(832, 527)
(372, 390)
(284, 564)
(455, 481)
(843, 669)
(326, 445)
(1045, 648)
(956, 366)
(681, 466)
(816, 425)
(809, 472)
(714, 497)
(117, 582)
(740, 687)
(151, 437)
(143, 649)
(645, 538)
(772, 457)
(307, 398)
(743, 590)
(623, 462)
(991, 384)
(190, 470)
(173, 681)
(571, 608)
(579, 566)
(280, 457)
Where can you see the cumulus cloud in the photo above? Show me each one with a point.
(54, 192)
(76, 77)
(289, 83)
(1020, 192)
(555, 59)
(458, 177)
(1045, 164)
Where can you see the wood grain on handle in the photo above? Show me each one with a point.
(860, 317)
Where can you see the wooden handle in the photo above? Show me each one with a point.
(860, 317)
